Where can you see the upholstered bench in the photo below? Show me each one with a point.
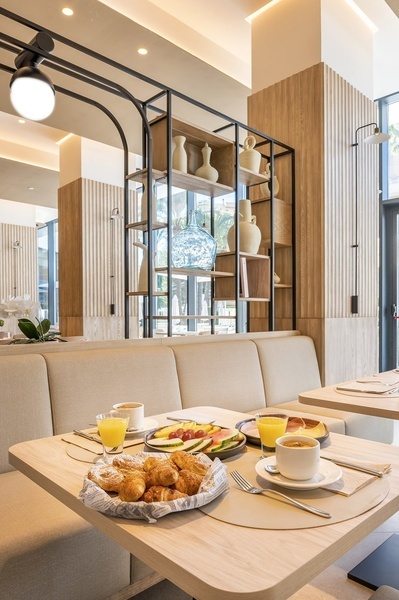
(385, 592)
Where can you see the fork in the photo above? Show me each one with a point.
(251, 489)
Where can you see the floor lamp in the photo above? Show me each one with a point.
(377, 137)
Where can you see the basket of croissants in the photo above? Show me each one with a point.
(152, 485)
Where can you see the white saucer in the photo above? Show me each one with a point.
(148, 424)
(328, 473)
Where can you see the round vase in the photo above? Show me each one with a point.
(249, 157)
(276, 278)
(179, 159)
(265, 187)
(193, 247)
(207, 171)
(249, 233)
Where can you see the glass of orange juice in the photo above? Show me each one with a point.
(270, 427)
(112, 429)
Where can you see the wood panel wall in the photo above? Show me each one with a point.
(317, 112)
(18, 268)
(86, 233)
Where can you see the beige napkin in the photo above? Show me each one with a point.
(366, 387)
(352, 481)
(77, 440)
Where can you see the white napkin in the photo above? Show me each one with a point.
(352, 481)
(369, 388)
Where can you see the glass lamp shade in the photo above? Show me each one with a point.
(193, 247)
(32, 94)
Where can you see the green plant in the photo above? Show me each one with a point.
(1, 322)
(37, 333)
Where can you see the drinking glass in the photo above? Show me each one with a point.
(112, 429)
(270, 427)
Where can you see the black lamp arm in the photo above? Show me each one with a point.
(27, 58)
(362, 127)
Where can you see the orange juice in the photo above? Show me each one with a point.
(271, 428)
(112, 431)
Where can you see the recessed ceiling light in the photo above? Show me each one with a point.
(21, 121)
(31, 188)
(68, 12)
(142, 51)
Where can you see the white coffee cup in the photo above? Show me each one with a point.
(135, 411)
(297, 456)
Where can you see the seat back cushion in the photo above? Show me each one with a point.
(24, 401)
(224, 374)
(289, 367)
(86, 383)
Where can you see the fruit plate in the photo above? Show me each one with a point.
(198, 445)
(300, 425)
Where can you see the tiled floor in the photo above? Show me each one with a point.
(331, 584)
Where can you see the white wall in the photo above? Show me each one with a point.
(27, 215)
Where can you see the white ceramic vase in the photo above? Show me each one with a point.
(249, 232)
(249, 157)
(207, 171)
(143, 273)
(264, 187)
(179, 159)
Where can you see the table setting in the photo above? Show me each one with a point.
(264, 496)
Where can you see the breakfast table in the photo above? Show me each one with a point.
(206, 551)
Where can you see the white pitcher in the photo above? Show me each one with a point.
(143, 273)
(250, 234)
(264, 187)
(249, 157)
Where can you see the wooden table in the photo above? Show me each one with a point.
(377, 405)
(210, 559)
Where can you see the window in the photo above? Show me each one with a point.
(47, 253)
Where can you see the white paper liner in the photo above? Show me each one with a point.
(213, 485)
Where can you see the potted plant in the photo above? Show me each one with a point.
(37, 333)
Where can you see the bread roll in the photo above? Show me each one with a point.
(188, 461)
(162, 474)
(107, 477)
(158, 493)
(188, 482)
(132, 487)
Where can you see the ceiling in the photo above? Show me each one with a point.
(192, 49)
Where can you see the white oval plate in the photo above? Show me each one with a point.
(148, 424)
(328, 473)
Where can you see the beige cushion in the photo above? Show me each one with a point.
(225, 374)
(385, 592)
(48, 552)
(24, 401)
(289, 367)
(85, 383)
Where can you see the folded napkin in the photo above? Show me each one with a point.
(367, 387)
(95, 447)
(352, 481)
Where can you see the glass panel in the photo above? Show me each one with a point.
(393, 151)
(43, 270)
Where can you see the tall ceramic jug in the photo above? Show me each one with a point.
(249, 232)
(179, 158)
(144, 202)
(207, 171)
(249, 157)
(143, 273)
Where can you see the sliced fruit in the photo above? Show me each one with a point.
(165, 431)
(187, 446)
(225, 435)
(315, 432)
(214, 429)
(205, 443)
(231, 444)
(163, 443)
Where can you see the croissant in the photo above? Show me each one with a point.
(132, 487)
(158, 493)
(151, 462)
(188, 461)
(125, 462)
(107, 477)
(188, 482)
(163, 474)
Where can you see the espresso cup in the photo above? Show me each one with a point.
(135, 412)
(297, 456)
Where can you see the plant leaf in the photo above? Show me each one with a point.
(28, 328)
(44, 327)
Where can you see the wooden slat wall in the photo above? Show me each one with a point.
(317, 112)
(18, 268)
(85, 230)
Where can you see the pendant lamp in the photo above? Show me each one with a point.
(31, 92)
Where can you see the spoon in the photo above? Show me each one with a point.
(272, 469)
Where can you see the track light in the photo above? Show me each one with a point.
(32, 93)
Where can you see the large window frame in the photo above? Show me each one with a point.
(48, 272)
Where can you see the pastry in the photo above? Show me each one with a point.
(162, 474)
(132, 487)
(158, 493)
(188, 461)
(151, 462)
(125, 462)
(107, 477)
(188, 482)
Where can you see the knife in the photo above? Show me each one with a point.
(342, 463)
(87, 436)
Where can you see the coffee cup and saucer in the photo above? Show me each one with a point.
(296, 464)
(138, 424)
